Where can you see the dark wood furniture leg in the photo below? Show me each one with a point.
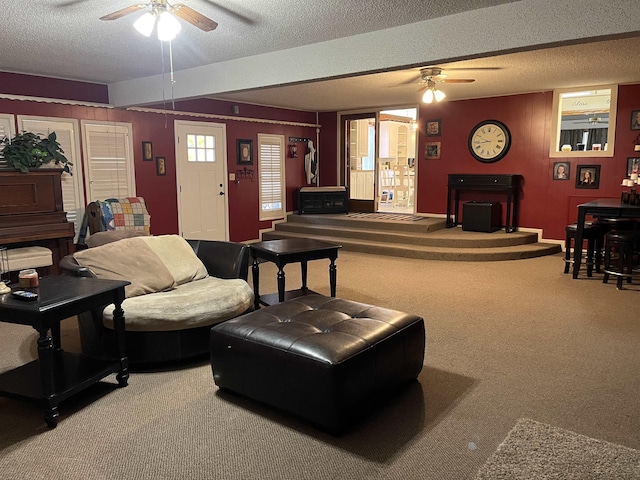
(255, 271)
(577, 247)
(457, 203)
(448, 223)
(45, 357)
(281, 282)
(303, 269)
(508, 226)
(332, 276)
(118, 324)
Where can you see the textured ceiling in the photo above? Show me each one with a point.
(66, 39)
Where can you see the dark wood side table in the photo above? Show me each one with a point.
(56, 374)
(291, 250)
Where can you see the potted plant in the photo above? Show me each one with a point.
(28, 150)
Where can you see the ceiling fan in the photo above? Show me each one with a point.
(594, 120)
(431, 76)
(155, 12)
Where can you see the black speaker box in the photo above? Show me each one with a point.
(481, 216)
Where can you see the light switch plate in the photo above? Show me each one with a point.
(232, 177)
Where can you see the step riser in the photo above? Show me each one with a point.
(395, 237)
(424, 226)
(481, 255)
(412, 239)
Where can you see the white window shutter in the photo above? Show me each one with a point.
(108, 157)
(66, 134)
(7, 129)
(271, 175)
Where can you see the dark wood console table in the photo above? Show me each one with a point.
(56, 374)
(508, 184)
(291, 250)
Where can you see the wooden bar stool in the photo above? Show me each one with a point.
(590, 234)
(619, 256)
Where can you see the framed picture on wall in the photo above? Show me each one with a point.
(561, 171)
(147, 151)
(635, 120)
(432, 128)
(245, 152)
(633, 165)
(432, 150)
(588, 176)
(161, 166)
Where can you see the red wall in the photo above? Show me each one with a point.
(160, 192)
(33, 86)
(546, 204)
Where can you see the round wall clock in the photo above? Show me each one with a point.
(489, 141)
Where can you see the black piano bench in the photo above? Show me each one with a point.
(321, 358)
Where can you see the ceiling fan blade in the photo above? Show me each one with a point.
(412, 80)
(447, 69)
(457, 80)
(194, 18)
(125, 11)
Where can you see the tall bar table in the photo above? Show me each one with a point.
(602, 207)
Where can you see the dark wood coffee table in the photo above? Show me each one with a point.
(291, 250)
(56, 374)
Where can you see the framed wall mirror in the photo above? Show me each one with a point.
(584, 121)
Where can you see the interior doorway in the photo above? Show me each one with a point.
(378, 160)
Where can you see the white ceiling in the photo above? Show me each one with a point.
(66, 39)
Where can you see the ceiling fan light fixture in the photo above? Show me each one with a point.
(145, 24)
(439, 94)
(168, 26)
(428, 96)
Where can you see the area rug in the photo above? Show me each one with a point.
(401, 217)
(536, 451)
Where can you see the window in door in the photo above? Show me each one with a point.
(201, 148)
(108, 160)
(271, 175)
(66, 130)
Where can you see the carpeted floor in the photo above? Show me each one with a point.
(505, 341)
(536, 450)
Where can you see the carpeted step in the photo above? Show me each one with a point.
(455, 238)
(468, 254)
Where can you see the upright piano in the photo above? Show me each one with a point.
(31, 212)
(508, 184)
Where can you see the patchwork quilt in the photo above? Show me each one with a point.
(125, 214)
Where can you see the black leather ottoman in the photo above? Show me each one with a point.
(324, 359)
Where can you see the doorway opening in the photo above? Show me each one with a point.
(378, 160)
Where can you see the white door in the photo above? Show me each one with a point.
(201, 173)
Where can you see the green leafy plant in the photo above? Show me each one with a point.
(27, 150)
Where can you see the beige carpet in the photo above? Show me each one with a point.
(536, 451)
(505, 341)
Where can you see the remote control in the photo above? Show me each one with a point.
(24, 295)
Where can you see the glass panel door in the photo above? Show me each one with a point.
(360, 154)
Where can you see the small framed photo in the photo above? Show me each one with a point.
(588, 176)
(432, 150)
(161, 166)
(633, 165)
(432, 128)
(635, 120)
(147, 151)
(561, 171)
(245, 152)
